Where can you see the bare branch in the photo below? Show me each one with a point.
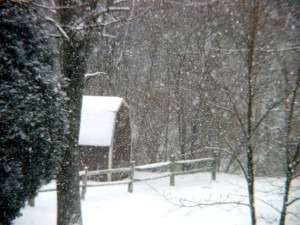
(81, 27)
(294, 214)
(125, 34)
(266, 114)
(235, 112)
(94, 14)
(227, 152)
(107, 23)
(290, 157)
(191, 204)
(293, 201)
(296, 157)
(267, 203)
(183, 203)
(211, 103)
(139, 15)
(204, 203)
(57, 7)
(58, 26)
(193, 4)
(238, 116)
(296, 175)
(273, 207)
(105, 34)
(236, 158)
(218, 106)
(91, 15)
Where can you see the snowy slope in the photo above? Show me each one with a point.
(155, 202)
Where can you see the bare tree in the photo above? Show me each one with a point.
(292, 146)
(246, 92)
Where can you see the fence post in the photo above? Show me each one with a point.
(31, 202)
(172, 170)
(84, 187)
(214, 165)
(131, 177)
(218, 161)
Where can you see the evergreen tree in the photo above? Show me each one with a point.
(31, 108)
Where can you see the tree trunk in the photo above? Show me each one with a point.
(74, 52)
(251, 42)
(291, 162)
(250, 181)
(68, 190)
(287, 188)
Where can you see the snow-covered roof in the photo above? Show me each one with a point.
(98, 115)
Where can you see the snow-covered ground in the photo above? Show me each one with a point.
(155, 202)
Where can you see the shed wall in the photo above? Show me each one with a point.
(122, 139)
(95, 158)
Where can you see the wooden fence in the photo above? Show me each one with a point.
(171, 168)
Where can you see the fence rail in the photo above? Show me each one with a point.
(193, 171)
(153, 166)
(154, 177)
(193, 161)
(101, 172)
(170, 166)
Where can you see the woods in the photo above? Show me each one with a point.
(197, 75)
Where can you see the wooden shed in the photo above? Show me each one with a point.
(105, 134)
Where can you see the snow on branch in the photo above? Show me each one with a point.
(96, 13)
(193, 4)
(58, 26)
(105, 34)
(119, 1)
(296, 48)
(139, 15)
(93, 14)
(56, 7)
(89, 75)
(118, 8)
(55, 35)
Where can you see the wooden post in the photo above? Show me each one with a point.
(218, 161)
(214, 165)
(131, 177)
(172, 170)
(110, 159)
(31, 202)
(84, 187)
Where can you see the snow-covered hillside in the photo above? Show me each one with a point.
(155, 202)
